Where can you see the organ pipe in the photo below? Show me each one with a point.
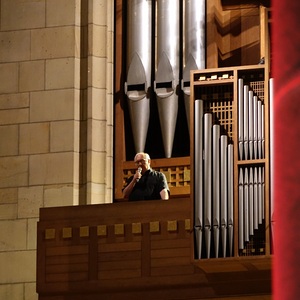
(251, 200)
(216, 186)
(207, 180)
(241, 117)
(246, 120)
(255, 126)
(251, 124)
(224, 191)
(246, 206)
(139, 68)
(167, 74)
(255, 200)
(194, 45)
(259, 128)
(230, 198)
(260, 198)
(198, 176)
(241, 209)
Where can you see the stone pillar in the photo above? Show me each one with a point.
(56, 121)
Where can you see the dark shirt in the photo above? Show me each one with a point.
(149, 186)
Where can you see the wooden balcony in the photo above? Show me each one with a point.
(136, 250)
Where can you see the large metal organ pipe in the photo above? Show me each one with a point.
(139, 36)
(194, 45)
(167, 74)
(169, 64)
(213, 187)
(198, 177)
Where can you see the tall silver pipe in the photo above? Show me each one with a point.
(246, 206)
(167, 74)
(241, 117)
(198, 183)
(246, 121)
(251, 125)
(216, 186)
(255, 199)
(230, 198)
(139, 68)
(224, 191)
(241, 209)
(207, 180)
(255, 125)
(194, 45)
(251, 198)
(260, 197)
(259, 128)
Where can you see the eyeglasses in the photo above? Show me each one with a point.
(141, 161)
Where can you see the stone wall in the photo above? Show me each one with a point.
(56, 121)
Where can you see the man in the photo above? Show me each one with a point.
(146, 184)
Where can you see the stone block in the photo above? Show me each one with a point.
(17, 266)
(12, 291)
(12, 43)
(54, 42)
(9, 140)
(9, 196)
(97, 130)
(97, 65)
(30, 291)
(97, 38)
(14, 116)
(60, 195)
(13, 171)
(13, 235)
(10, 101)
(32, 76)
(97, 109)
(16, 14)
(99, 12)
(31, 233)
(9, 78)
(52, 105)
(60, 13)
(55, 168)
(30, 200)
(34, 138)
(62, 135)
(8, 211)
(60, 73)
(97, 163)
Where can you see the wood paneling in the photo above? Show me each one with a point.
(142, 264)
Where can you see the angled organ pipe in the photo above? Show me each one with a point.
(194, 45)
(216, 186)
(139, 68)
(207, 180)
(167, 74)
(198, 176)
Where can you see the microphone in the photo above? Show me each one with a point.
(140, 171)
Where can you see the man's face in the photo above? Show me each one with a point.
(142, 162)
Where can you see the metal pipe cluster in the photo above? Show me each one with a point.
(251, 124)
(213, 187)
(251, 202)
(173, 40)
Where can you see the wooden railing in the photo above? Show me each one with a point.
(135, 250)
